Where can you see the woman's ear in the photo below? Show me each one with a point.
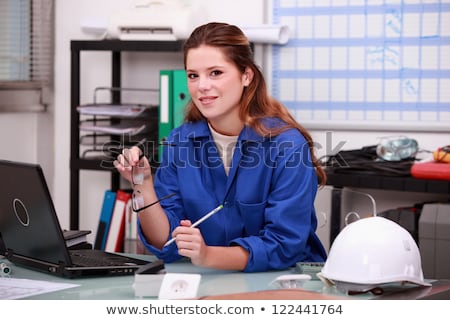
(247, 76)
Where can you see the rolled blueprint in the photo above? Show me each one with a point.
(267, 33)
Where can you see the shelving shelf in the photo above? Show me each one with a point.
(116, 47)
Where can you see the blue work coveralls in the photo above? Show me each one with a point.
(268, 196)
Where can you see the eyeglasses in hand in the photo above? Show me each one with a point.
(137, 178)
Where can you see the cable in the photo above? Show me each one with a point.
(366, 161)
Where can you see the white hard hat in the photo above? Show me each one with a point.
(370, 252)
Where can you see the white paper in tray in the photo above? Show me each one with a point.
(114, 110)
(113, 129)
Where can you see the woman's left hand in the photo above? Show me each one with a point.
(190, 243)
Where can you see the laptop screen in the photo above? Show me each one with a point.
(28, 222)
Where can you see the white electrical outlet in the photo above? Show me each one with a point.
(179, 286)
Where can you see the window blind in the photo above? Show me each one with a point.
(26, 54)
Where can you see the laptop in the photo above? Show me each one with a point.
(31, 235)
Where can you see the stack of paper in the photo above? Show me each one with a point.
(76, 238)
(13, 288)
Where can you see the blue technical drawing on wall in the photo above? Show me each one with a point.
(364, 61)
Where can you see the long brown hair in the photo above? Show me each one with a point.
(256, 103)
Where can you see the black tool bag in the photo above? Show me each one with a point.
(366, 161)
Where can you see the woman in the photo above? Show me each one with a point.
(238, 148)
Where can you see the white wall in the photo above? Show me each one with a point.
(18, 137)
(28, 137)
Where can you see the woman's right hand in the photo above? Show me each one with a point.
(130, 158)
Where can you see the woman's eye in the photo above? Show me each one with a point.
(216, 73)
(192, 76)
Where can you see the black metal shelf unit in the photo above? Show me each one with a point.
(116, 47)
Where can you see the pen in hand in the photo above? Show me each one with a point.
(196, 223)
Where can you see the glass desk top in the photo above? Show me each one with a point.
(212, 283)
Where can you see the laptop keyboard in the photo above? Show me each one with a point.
(94, 258)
